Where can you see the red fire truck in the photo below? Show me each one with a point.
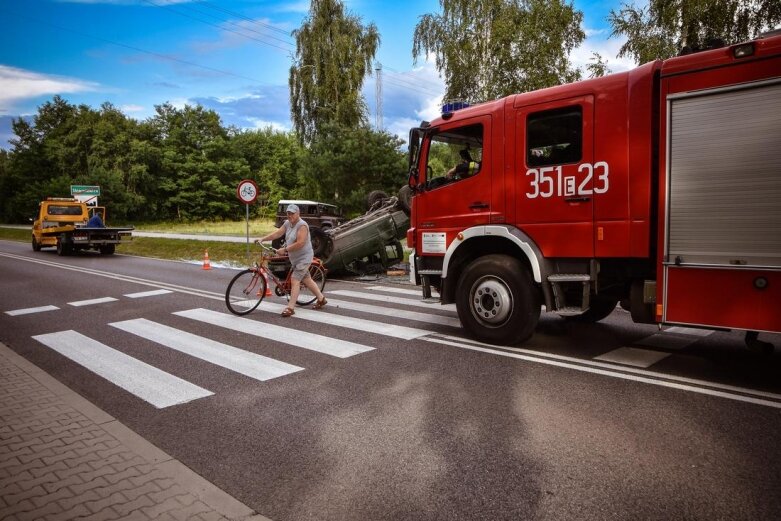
(659, 188)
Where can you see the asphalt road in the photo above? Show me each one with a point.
(348, 417)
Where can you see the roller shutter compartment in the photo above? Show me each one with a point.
(724, 177)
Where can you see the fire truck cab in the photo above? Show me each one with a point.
(660, 186)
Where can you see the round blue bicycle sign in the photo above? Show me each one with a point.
(247, 191)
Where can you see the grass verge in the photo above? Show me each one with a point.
(257, 227)
(230, 253)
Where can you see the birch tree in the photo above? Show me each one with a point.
(486, 49)
(334, 54)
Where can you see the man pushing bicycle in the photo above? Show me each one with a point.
(298, 248)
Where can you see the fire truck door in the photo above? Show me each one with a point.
(556, 177)
(458, 184)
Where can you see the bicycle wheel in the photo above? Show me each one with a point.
(306, 296)
(245, 292)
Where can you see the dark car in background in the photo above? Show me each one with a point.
(316, 215)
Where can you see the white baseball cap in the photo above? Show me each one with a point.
(292, 208)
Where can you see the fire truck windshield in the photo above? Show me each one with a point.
(453, 155)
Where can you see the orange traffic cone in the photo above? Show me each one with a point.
(206, 264)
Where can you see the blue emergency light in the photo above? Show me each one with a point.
(454, 106)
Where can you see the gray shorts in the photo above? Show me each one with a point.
(300, 271)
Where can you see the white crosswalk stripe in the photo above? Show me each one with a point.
(249, 364)
(370, 326)
(395, 300)
(404, 291)
(28, 311)
(152, 293)
(429, 318)
(153, 385)
(91, 302)
(303, 339)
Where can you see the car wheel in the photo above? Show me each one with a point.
(405, 199)
(319, 240)
(374, 197)
(36, 245)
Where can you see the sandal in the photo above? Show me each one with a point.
(320, 303)
(288, 312)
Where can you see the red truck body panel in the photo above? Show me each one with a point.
(616, 197)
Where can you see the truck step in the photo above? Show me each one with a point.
(569, 277)
(429, 272)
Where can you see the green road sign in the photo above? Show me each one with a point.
(83, 190)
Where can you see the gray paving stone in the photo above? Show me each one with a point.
(62, 458)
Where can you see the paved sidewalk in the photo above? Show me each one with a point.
(62, 458)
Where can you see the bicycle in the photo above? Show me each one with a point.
(246, 290)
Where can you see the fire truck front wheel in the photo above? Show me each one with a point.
(497, 301)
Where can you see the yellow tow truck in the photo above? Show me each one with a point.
(69, 225)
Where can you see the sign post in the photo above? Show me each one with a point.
(247, 192)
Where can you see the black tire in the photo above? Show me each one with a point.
(319, 240)
(107, 249)
(374, 197)
(36, 245)
(405, 199)
(497, 300)
(63, 247)
(245, 292)
(600, 306)
(305, 296)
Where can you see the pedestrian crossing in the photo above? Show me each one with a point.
(285, 335)
(255, 366)
(413, 319)
(149, 383)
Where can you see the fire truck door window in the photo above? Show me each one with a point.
(454, 155)
(554, 137)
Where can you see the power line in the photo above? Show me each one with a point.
(137, 49)
(218, 27)
(411, 86)
(239, 15)
(425, 82)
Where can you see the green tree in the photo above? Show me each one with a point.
(663, 28)
(274, 160)
(198, 170)
(334, 53)
(486, 49)
(343, 165)
(597, 67)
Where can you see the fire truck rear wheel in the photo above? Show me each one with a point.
(497, 300)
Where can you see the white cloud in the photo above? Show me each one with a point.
(293, 7)
(132, 108)
(261, 124)
(607, 48)
(19, 84)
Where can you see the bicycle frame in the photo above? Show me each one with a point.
(246, 290)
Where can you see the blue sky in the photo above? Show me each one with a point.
(232, 56)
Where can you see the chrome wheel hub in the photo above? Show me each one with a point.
(491, 301)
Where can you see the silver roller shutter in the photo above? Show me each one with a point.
(725, 177)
